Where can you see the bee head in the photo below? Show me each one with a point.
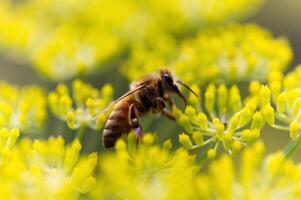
(171, 85)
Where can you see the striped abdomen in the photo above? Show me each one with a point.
(117, 123)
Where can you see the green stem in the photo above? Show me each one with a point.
(292, 147)
(284, 118)
(80, 133)
(280, 127)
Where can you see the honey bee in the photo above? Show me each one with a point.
(151, 94)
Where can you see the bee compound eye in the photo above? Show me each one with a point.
(167, 78)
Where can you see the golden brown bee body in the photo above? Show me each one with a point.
(149, 94)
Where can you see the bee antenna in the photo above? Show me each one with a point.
(187, 87)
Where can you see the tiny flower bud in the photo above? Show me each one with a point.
(265, 96)
(101, 119)
(236, 147)
(191, 113)
(62, 89)
(227, 141)
(219, 127)
(65, 104)
(234, 99)
(90, 103)
(120, 145)
(185, 141)
(281, 102)
(186, 124)
(222, 95)
(294, 130)
(254, 87)
(202, 121)
(245, 116)
(167, 144)
(211, 153)
(198, 138)
(209, 101)
(148, 139)
(177, 113)
(268, 114)
(257, 121)
(107, 90)
(246, 135)
(233, 125)
(71, 119)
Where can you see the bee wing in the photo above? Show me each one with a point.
(110, 106)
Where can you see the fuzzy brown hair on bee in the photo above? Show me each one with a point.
(151, 94)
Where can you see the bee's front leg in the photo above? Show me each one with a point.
(159, 104)
(169, 100)
(134, 120)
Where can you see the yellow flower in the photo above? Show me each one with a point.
(86, 107)
(46, 170)
(151, 172)
(80, 38)
(257, 177)
(232, 54)
(24, 107)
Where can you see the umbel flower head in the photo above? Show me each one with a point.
(43, 169)
(230, 53)
(24, 107)
(149, 172)
(220, 119)
(258, 177)
(84, 108)
(80, 38)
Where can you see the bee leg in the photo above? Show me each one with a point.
(159, 104)
(168, 99)
(134, 121)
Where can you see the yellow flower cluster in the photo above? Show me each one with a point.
(52, 170)
(43, 169)
(232, 53)
(151, 172)
(221, 119)
(257, 177)
(86, 106)
(24, 107)
(227, 53)
(79, 37)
